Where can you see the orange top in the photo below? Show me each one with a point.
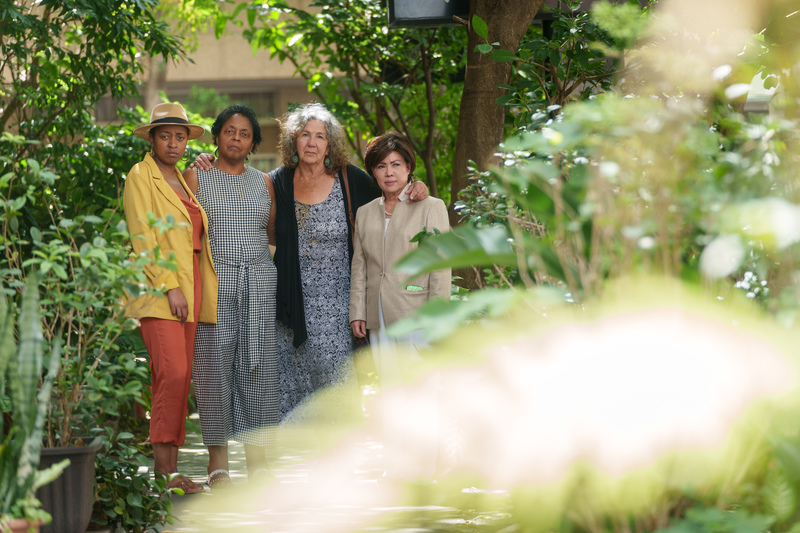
(197, 224)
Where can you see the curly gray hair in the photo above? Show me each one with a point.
(293, 123)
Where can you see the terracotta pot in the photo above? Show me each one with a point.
(21, 525)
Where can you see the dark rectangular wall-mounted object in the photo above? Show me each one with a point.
(416, 13)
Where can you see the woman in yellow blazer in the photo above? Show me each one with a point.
(380, 296)
(155, 190)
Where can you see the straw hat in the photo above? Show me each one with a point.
(168, 114)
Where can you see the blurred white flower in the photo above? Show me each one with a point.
(721, 72)
(722, 256)
(773, 221)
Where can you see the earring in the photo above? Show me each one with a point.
(327, 161)
(216, 153)
(295, 159)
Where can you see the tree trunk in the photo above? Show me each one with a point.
(156, 82)
(427, 153)
(481, 121)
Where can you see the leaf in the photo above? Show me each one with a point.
(503, 56)
(464, 246)
(295, 39)
(779, 496)
(504, 100)
(438, 318)
(60, 271)
(480, 27)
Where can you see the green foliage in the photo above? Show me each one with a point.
(705, 519)
(618, 185)
(84, 270)
(62, 56)
(61, 178)
(20, 370)
(127, 499)
(372, 77)
(578, 59)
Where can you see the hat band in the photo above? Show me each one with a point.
(171, 120)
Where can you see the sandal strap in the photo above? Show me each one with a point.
(218, 475)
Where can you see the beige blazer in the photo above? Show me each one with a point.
(373, 280)
(146, 191)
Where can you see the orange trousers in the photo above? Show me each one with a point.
(171, 349)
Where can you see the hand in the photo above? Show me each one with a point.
(203, 162)
(418, 191)
(359, 328)
(178, 304)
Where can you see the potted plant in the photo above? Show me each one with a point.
(84, 271)
(25, 402)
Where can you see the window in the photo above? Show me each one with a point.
(263, 103)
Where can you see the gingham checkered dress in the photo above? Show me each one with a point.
(235, 360)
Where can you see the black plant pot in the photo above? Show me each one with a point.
(69, 499)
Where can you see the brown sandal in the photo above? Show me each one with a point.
(181, 484)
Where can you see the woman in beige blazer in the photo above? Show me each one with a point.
(380, 296)
(155, 190)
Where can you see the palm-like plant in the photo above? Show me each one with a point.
(25, 394)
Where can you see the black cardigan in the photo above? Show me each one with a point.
(290, 310)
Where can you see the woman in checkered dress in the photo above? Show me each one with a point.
(235, 360)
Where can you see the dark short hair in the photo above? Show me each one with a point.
(237, 109)
(383, 145)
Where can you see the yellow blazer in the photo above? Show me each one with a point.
(147, 190)
(373, 280)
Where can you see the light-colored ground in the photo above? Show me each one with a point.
(332, 492)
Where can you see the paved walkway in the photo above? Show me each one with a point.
(341, 490)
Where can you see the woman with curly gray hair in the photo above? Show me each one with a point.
(318, 194)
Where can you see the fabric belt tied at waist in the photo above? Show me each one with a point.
(248, 311)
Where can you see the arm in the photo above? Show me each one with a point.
(358, 286)
(441, 279)
(190, 177)
(273, 238)
(137, 202)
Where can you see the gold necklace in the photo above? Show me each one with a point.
(238, 190)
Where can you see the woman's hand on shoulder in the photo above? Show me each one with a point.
(417, 192)
(203, 161)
